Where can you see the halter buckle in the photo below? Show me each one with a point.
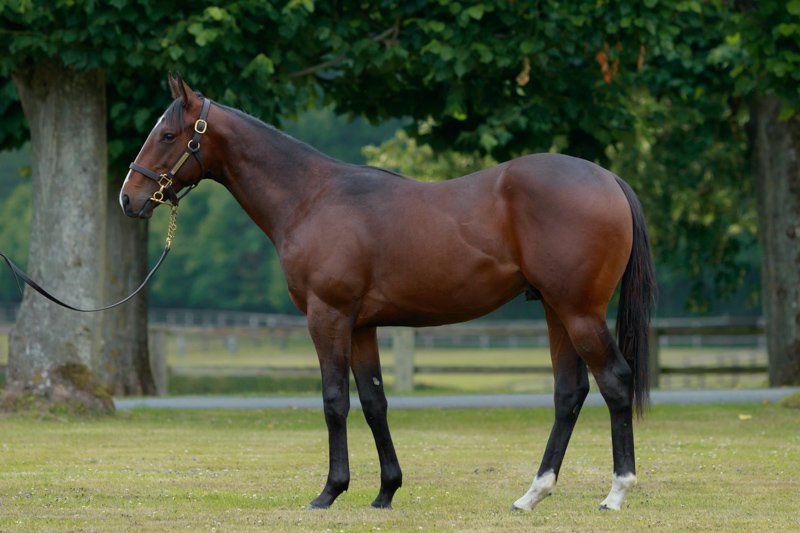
(200, 126)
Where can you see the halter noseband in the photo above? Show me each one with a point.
(164, 180)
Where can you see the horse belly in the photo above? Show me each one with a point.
(442, 292)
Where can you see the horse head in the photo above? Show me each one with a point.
(170, 158)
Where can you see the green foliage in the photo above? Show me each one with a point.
(405, 155)
(690, 168)
(339, 136)
(762, 49)
(652, 89)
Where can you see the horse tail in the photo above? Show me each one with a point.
(636, 301)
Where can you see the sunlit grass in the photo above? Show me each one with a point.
(700, 468)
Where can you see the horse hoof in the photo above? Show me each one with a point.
(604, 507)
(515, 509)
(380, 505)
(316, 505)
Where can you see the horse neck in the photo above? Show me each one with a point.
(269, 173)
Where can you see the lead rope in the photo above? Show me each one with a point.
(20, 275)
(173, 225)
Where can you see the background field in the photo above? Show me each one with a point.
(211, 358)
(715, 468)
(259, 365)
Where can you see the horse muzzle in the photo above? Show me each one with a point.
(145, 211)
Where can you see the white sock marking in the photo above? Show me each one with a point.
(620, 485)
(540, 489)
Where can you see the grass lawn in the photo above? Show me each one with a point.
(714, 468)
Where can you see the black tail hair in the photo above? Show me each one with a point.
(636, 301)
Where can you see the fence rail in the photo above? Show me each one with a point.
(484, 334)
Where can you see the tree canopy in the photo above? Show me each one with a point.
(653, 89)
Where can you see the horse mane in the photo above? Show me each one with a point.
(173, 117)
(273, 131)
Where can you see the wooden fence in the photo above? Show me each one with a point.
(484, 334)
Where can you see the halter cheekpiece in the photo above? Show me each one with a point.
(166, 192)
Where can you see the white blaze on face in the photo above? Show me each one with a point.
(128, 175)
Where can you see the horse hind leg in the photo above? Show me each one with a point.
(571, 388)
(614, 377)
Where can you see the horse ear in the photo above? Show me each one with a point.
(180, 89)
(175, 83)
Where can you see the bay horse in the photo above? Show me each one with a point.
(363, 247)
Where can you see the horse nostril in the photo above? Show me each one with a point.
(125, 203)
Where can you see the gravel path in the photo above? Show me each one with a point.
(690, 397)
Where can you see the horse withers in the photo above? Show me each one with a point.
(363, 247)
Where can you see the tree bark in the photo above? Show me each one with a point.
(776, 147)
(124, 362)
(53, 352)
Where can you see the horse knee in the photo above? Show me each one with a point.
(336, 405)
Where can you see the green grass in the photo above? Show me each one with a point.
(714, 468)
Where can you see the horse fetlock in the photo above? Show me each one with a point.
(392, 480)
(333, 488)
(620, 486)
(337, 485)
(385, 496)
(541, 488)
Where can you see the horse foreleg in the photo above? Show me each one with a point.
(571, 388)
(366, 366)
(331, 333)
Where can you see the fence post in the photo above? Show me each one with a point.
(403, 344)
(158, 359)
(654, 363)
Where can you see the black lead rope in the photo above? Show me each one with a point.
(20, 275)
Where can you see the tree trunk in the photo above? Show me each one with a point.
(124, 363)
(53, 352)
(776, 146)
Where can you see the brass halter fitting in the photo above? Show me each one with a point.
(164, 182)
(173, 225)
(166, 193)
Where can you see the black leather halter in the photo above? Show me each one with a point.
(166, 191)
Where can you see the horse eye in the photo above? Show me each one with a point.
(168, 137)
